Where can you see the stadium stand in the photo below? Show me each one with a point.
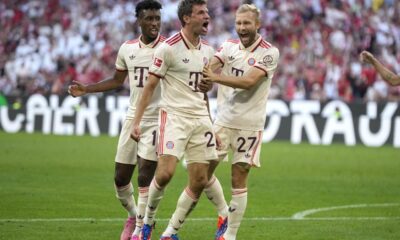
(44, 45)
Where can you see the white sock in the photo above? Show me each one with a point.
(215, 194)
(141, 208)
(156, 193)
(237, 207)
(125, 196)
(186, 203)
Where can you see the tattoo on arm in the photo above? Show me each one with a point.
(389, 77)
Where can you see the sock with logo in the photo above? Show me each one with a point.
(237, 207)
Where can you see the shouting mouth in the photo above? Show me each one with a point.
(205, 26)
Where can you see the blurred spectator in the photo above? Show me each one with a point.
(46, 44)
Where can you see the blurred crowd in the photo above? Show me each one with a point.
(45, 44)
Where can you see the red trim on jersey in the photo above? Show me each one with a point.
(155, 74)
(132, 41)
(205, 42)
(184, 41)
(266, 73)
(162, 38)
(265, 44)
(121, 70)
(174, 39)
(220, 60)
(255, 148)
(159, 39)
(257, 45)
(163, 120)
(236, 41)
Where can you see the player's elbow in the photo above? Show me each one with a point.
(248, 84)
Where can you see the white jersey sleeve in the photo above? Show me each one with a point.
(161, 61)
(268, 61)
(120, 63)
(221, 54)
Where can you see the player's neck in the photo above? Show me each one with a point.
(193, 38)
(146, 39)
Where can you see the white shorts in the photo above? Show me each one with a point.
(192, 137)
(128, 149)
(245, 145)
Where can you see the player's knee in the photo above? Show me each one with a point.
(239, 175)
(144, 179)
(121, 180)
(199, 182)
(163, 178)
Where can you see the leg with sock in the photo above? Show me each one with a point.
(124, 193)
(186, 203)
(146, 169)
(238, 204)
(164, 172)
(188, 199)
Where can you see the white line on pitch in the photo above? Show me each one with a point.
(10, 220)
(301, 215)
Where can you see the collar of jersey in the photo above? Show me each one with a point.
(150, 45)
(253, 46)
(188, 44)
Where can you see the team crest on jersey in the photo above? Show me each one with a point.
(205, 60)
(170, 145)
(158, 62)
(251, 61)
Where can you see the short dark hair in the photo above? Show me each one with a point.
(146, 5)
(185, 8)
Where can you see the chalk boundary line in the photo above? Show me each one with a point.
(300, 216)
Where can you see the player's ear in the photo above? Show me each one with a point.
(258, 24)
(186, 19)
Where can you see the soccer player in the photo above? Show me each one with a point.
(134, 59)
(386, 74)
(185, 127)
(248, 65)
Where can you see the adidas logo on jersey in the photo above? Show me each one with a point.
(131, 57)
(185, 60)
(231, 58)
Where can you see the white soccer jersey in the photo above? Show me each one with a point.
(181, 64)
(240, 108)
(136, 57)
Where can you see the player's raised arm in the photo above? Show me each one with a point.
(77, 89)
(144, 101)
(385, 73)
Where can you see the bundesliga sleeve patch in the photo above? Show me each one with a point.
(158, 62)
(267, 61)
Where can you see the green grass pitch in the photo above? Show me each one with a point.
(57, 187)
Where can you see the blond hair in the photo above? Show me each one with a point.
(249, 8)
